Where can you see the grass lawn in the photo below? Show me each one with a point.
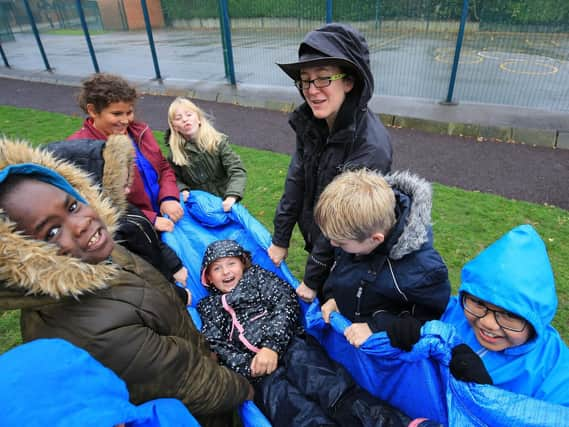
(464, 222)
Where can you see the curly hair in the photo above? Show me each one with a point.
(102, 89)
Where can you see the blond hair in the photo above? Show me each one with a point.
(207, 137)
(355, 205)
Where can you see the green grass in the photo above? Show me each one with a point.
(464, 222)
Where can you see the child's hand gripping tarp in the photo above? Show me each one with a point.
(417, 382)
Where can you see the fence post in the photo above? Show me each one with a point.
(4, 57)
(150, 39)
(377, 15)
(459, 38)
(87, 36)
(329, 9)
(37, 35)
(226, 41)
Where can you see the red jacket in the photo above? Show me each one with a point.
(151, 151)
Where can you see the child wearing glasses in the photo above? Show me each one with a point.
(503, 311)
(201, 155)
(334, 130)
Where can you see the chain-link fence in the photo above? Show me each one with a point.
(511, 52)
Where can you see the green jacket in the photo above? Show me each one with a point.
(221, 173)
(123, 312)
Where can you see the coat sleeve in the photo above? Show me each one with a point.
(427, 299)
(203, 386)
(157, 365)
(173, 262)
(235, 171)
(318, 263)
(290, 205)
(283, 309)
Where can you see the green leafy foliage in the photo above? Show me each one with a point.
(510, 12)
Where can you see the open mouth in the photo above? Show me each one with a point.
(489, 336)
(95, 240)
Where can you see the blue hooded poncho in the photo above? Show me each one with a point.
(514, 273)
(50, 382)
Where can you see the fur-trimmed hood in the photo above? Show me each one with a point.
(418, 222)
(29, 267)
(108, 162)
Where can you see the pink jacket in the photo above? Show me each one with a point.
(150, 149)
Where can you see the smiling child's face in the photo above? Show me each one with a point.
(57, 217)
(224, 273)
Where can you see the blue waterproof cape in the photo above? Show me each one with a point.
(419, 382)
(50, 382)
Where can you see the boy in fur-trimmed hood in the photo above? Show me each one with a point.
(61, 268)
(387, 276)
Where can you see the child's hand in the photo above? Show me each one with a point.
(163, 224)
(172, 208)
(327, 308)
(466, 365)
(357, 334)
(185, 195)
(305, 293)
(277, 254)
(228, 203)
(264, 362)
(404, 332)
(181, 276)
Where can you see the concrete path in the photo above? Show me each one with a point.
(523, 172)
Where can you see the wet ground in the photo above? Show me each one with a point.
(522, 172)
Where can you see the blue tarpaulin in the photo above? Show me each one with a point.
(418, 382)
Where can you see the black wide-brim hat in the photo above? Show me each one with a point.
(314, 58)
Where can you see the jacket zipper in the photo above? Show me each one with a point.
(359, 294)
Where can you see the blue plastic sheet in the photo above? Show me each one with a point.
(418, 382)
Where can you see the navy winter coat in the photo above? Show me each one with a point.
(405, 274)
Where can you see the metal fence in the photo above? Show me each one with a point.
(481, 51)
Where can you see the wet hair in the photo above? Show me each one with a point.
(355, 205)
(207, 137)
(103, 89)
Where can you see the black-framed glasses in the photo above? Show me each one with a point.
(505, 319)
(319, 82)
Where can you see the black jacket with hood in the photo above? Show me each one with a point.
(123, 311)
(357, 140)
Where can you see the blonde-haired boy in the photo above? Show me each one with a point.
(387, 276)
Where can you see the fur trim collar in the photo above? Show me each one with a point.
(34, 266)
(416, 231)
(118, 173)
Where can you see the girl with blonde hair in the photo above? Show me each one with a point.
(201, 155)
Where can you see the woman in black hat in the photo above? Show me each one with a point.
(335, 131)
